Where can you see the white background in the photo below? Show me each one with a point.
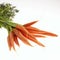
(48, 14)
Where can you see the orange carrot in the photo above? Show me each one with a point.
(32, 38)
(16, 40)
(49, 34)
(25, 31)
(21, 28)
(21, 37)
(12, 40)
(37, 31)
(9, 43)
(29, 24)
(34, 29)
(41, 36)
(44, 33)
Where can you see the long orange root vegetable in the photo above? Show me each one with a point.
(16, 31)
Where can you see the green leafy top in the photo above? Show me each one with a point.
(7, 12)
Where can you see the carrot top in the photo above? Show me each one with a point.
(7, 12)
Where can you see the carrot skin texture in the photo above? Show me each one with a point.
(37, 31)
(41, 36)
(44, 33)
(33, 39)
(12, 40)
(9, 43)
(29, 24)
(21, 37)
(16, 40)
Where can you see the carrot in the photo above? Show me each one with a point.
(29, 24)
(25, 31)
(43, 33)
(12, 39)
(32, 38)
(33, 32)
(49, 34)
(16, 40)
(34, 29)
(21, 37)
(22, 28)
(9, 43)
(39, 36)
(37, 31)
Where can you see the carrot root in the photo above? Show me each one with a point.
(32, 38)
(21, 37)
(16, 40)
(29, 24)
(9, 43)
(41, 36)
(12, 39)
(37, 31)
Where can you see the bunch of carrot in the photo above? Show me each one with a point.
(26, 32)
(23, 32)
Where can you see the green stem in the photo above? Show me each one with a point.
(8, 23)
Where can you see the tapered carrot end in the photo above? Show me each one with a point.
(16, 40)
(29, 24)
(9, 47)
(41, 44)
(56, 35)
(37, 31)
(9, 44)
(13, 47)
(50, 34)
